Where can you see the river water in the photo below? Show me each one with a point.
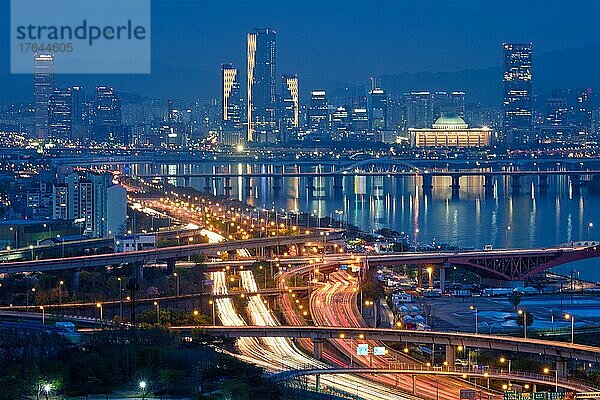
(531, 218)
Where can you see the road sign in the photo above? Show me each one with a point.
(362, 349)
(379, 351)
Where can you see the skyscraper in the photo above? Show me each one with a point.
(318, 113)
(60, 114)
(377, 109)
(79, 114)
(517, 95)
(290, 106)
(43, 87)
(230, 97)
(107, 124)
(261, 103)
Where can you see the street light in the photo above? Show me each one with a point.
(143, 388)
(504, 360)
(47, 389)
(547, 371)
(120, 299)
(572, 318)
(157, 312)
(508, 228)
(472, 307)
(212, 303)
(430, 273)
(177, 282)
(43, 315)
(60, 285)
(590, 226)
(524, 314)
(99, 306)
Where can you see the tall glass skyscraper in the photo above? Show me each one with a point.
(290, 110)
(517, 95)
(43, 88)
(262, 91)
(230, 96)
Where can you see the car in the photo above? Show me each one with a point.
(461, 363)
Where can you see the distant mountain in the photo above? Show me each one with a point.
(568, 68)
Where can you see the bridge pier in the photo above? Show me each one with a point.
(543, 182)
(338, 185)
(75, 274)
(488, 184)
(247, 186)
(427, 183)
(318, 383)
(561, 368)
(227, 187)
(450, 355)
(277, 184)
(170, 266)
(455, 185)
(420, 276)
(317, 348)
(207, 185)
(443, 278)
(516, 184)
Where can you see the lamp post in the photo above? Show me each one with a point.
(27, 296)
(60, 285)
(143, 389)
(43, 315)
(508, 228)
(472, 307)
(31, 248)
(157, 312)
(524, 314)
(504, 360)
(212, 303)
(547, 371)
(571, 317)
(120, 299)
(177, 282)
(430, 274)
(589, 226)
(99, 306)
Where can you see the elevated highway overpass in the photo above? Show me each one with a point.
(168, 254)
(559, 350)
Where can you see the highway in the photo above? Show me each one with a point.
(334, 303)
(153, 256)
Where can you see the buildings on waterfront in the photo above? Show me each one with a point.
(450, 131)
(518, 129)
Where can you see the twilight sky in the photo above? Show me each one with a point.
(352, 39)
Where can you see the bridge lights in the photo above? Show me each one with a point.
(143, 385)
(547, 371)
(503, 360)
(505, 387)
(405, 350)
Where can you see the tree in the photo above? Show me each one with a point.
(515, 299)
(521, 318)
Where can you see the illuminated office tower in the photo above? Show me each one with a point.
(290, 110)
(43, 87)
(60, 114)
(318, 113)
(79, 114)
(377, 108)
(261, 90)
(230, 97)
(517, 95)
(106, 117)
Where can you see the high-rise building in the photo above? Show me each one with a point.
(231, 106)
(79, 114)
(106, 117)
(341, 122)
(517, 95)
(43, 87)
(261, 90)
(318, 112)
(60, 114)
(377, 107)
(290, 107)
